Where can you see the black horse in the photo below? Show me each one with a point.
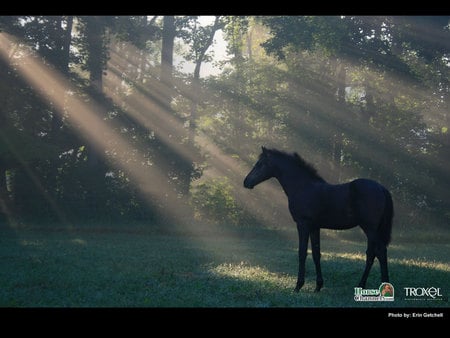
(316, 204)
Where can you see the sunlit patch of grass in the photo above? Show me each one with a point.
(444, 267)
(354, 256)
(246, 272)
(256, 286)
(79, 241)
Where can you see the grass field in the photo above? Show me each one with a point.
(133, 267)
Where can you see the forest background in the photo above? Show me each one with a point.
(102, 122)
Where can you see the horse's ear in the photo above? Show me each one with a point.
(264, 150)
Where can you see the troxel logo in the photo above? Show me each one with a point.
(385, 293)
(421, 293)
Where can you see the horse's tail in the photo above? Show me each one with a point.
(385, 228)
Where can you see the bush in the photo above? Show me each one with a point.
(213, 201)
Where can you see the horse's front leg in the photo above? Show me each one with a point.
(315, 248)
(303, 236)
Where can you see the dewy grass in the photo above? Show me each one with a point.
(143, 269)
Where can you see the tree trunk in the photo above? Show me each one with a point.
(168, 38)
(95, 31)
(195, 101)
(67, 40)
(196, 88)
(369, 112)
(337, 148)
(57, 120)
(5, 202)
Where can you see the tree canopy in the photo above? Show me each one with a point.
(99, 122)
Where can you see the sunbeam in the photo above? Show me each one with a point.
(86, 118)
(141, 106)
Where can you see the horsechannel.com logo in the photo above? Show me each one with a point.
(385, 293)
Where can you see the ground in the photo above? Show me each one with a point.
(94, 266)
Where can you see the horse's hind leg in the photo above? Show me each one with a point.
(381, 253)
(315, 248)
(370, 257)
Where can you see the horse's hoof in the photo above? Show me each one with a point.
(299, 286)
(319, 285)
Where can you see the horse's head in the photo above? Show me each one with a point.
(262, 170)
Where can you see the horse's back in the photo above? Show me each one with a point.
(334, 210)
(366, 183)
(340, 206)
(366, 188)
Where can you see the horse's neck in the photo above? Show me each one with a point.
(293, 180)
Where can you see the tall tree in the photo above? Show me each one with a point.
(168, 41)
(94, 46)
(199, 38)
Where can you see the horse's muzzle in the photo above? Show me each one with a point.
(247, 184)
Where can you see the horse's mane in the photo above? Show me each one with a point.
(298, 160)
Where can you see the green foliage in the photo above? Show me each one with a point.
(19, 146)
(358, 96)
(213, 201)
(138, 30)
(235, 28)
(305, 32)
(200, 38)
